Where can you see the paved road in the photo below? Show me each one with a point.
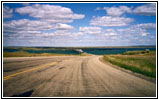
(70, 76)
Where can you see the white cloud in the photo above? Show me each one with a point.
(63, 26)
(113, 18)
(110, 32)
(32, 41)
(98, 8)
(110, 21)
(147, 9)
(117, 11)
(138, 29)
(147, 26)
(144, 34)
(50, 27)
(33, 25)
(7, 12)
(25, 28)
(77, 34)
(91, 30)
(27, 25)
(50, 13)
(126, 9)
(62, 33)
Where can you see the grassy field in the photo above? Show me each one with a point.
(26, 54)
(137, 61)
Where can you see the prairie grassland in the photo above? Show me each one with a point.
(26, 54)
(137, 61)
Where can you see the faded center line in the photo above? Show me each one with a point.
(45, 65)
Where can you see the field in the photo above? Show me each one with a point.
(26, 54)
(137, 61)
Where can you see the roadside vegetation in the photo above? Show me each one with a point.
(143, 62)
(27, 54)
(33, 48)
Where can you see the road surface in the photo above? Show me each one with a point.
(70, 76)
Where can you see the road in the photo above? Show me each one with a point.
(70, 76)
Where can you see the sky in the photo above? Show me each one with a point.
(79, 24)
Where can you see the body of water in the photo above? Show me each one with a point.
(102, 51)
(96, 51)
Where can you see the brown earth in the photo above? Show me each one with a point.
(71, 76)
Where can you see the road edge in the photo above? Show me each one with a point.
(153, 80)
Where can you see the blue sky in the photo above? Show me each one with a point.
(79, 24)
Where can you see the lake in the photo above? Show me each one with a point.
(96, 51)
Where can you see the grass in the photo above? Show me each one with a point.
(26, 54)
(137, 61)
(85, 54)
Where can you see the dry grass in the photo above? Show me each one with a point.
(26, 54)
(144, 63)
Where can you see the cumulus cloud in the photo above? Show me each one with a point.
(27, 25)
(138, 30)
(56, 34)
(110, 32)
(144, 34)
(49, 27)
(7, 12)
(50, 24)
(110, 21)
(63, 26)
(147, 26)
(113, 17)
(147, 10)
(91, 30)
(98, 8)
(117, 11)
(51, 13)
(78, 34)
(25, 28)
(32, 41)
(33, 25)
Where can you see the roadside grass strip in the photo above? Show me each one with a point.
(141, 63)
(13, 75)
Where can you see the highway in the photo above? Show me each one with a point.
(70, 76)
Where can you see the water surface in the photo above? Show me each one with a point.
(96, 51)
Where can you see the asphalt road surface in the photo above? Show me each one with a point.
(70, 76)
